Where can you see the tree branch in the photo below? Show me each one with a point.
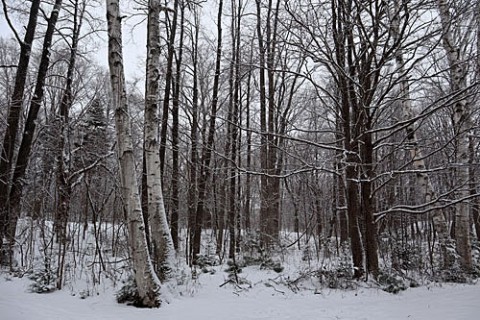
(9, 22)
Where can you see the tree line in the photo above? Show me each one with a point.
(342, 126)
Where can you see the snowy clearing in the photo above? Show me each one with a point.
(209, 301)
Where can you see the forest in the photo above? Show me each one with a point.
(338, 136)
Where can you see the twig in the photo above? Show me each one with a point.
(9, 22)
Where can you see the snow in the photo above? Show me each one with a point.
(204, 299)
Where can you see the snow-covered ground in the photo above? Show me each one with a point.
(206, 300)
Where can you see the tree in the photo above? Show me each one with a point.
(64, 179)
(160, 235)
(196, 223)
(423, 184)
(174, 220)
(462, 125)
(13, 121)
(147, 282)
(270, 185)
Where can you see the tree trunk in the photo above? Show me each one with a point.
(64, 184)
(196, 229)
(192, 191)
(232, 135)
(13, 122)
(23, 157)
(168, 83)
(340, 201)
(163, 249)
(371, 242)
(147, 282)
(343, 54)
(462, 125)
(175, 124)
(423, 184)
(269, 187)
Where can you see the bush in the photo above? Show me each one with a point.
(272, 265)
(233, 268)
(128, 293)
(407, 255)
(43, 281)
(392, 283)
(206, 262)
(339, 278)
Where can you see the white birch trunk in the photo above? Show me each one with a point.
(424, 186)
(147, 281)
(164, 252)
(462, 125)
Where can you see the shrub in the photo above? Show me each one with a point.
(128, 293)
(43, 281)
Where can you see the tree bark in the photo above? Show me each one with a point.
(424, 187)
(196, 229)
(147, 282)
(13, 122)
(462, 125)
(347, 102)
(163, 249)
(64, 184)
(23, 156)
(175, 134)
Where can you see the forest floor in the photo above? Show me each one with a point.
(261, 299)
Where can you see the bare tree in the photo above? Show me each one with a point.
(462, 123)
(163, 248)
(424, 186)
(196, 224)
(13, 120)
(147, 282)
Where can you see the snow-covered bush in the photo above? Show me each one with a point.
(128, 293)
(391, 283)
(272, 264)
(408, 256)
(43, 281)
(338, 278)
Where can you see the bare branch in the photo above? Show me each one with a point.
(9, 22)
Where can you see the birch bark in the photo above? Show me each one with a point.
(148, 284)
(163, 249)
(462, 125)
(423, 184)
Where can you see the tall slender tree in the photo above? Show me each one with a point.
(161, 238)
(147, 282)
(13, 120)
(15, 193)
(196, 225)
(462, 126)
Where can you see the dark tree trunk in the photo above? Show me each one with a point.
(347, 101)
(64, 183)
(192, 191)
(13, 122)
(30, 124)
(196, 233)
(168, 83)
(371, 244)
(175, 129)
(144, 199)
